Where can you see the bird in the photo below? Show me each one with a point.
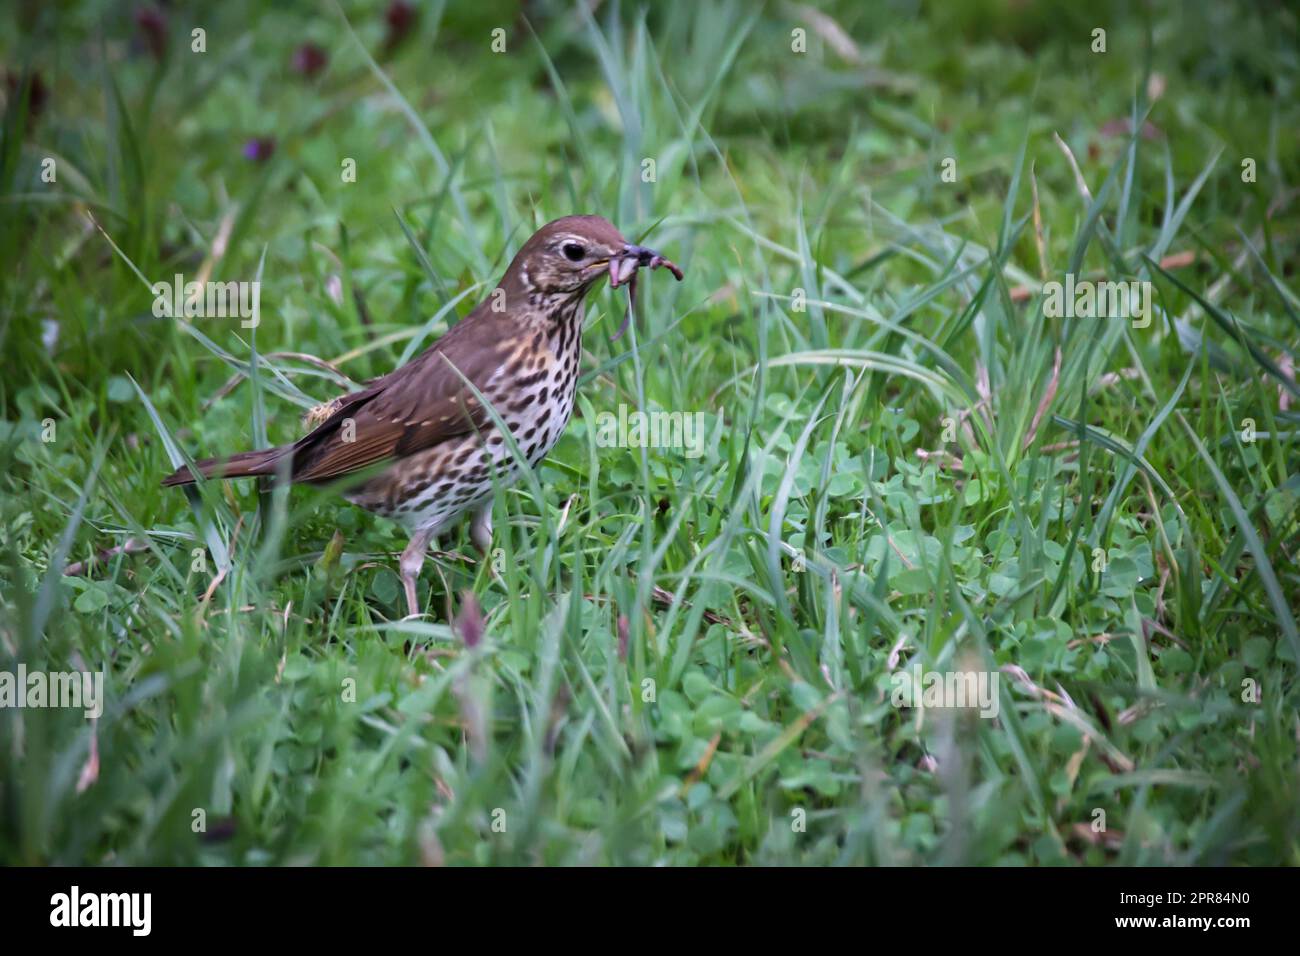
(416, 445)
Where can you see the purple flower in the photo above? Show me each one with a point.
(153, 30)
(309, 59)
(400, 17)
(259, 149)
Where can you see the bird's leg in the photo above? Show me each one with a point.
(411, 562)
(480, 529)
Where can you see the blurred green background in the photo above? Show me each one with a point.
(686, 661)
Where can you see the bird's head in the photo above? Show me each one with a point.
(567, 256)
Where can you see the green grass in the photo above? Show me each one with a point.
(686, 660)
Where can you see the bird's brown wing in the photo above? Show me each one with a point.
(421, 404)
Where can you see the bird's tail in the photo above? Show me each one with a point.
(243, 465)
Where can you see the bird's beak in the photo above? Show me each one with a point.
(623, 267)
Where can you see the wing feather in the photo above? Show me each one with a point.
(421, 404)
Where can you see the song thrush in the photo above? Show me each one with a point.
(419, 444)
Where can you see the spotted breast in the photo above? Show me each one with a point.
(533, 392)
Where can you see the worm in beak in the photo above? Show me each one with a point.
(623, 269)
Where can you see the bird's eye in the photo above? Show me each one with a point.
(573, 251)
